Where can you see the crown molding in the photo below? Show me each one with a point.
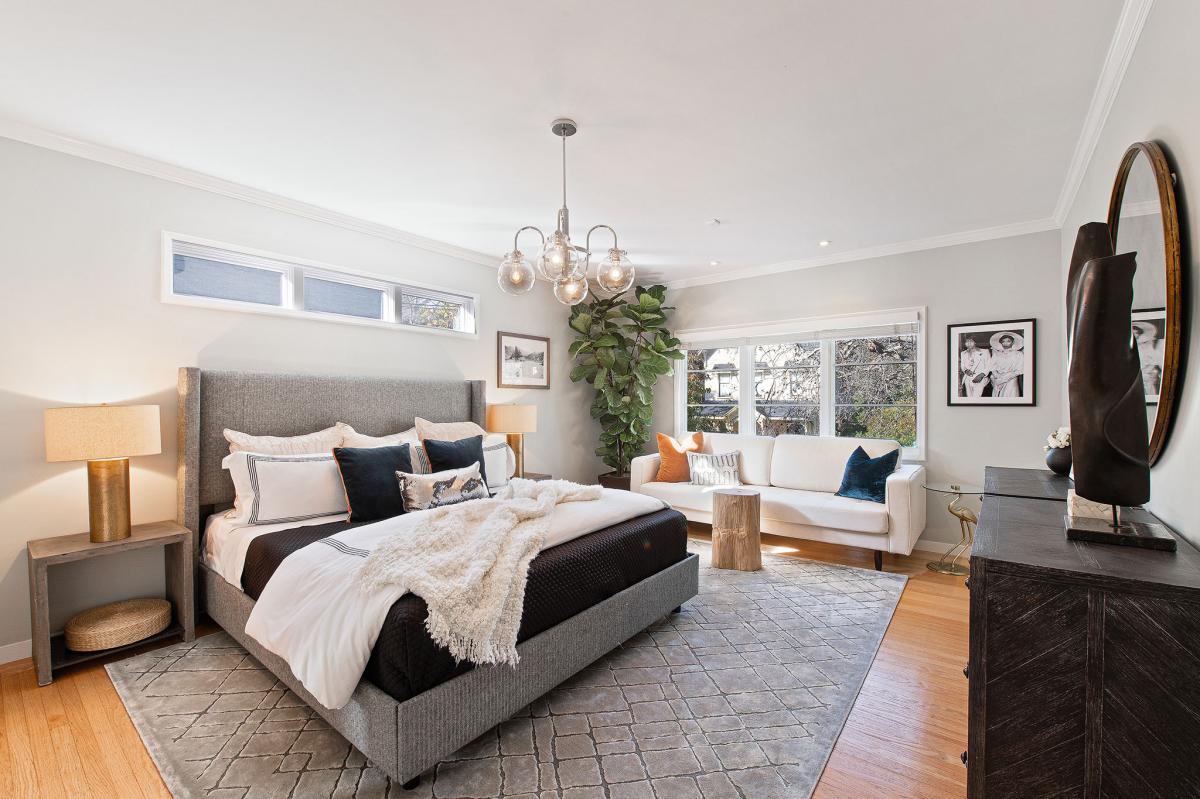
(38, 137)
(1112, 72)
(865, 253)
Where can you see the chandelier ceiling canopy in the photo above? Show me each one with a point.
(565, 264)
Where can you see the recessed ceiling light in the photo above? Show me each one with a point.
(714, 263)
(713, 222)
(824, 243)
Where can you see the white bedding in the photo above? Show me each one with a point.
(315, 615)
(226, 541)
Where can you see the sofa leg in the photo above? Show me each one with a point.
(879, 560)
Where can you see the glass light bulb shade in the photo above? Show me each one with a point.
(559, 260)
(615, 273)
(515, 275)
(571, 290)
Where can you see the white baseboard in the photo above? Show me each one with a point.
(17, 650)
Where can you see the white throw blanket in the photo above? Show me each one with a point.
(315, 614)
(469, 563)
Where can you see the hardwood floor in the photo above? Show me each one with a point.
(73, 738)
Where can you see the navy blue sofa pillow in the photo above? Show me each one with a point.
(459, 454)
(369, 480)
(866, 477)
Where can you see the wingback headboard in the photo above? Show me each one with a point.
(288, 405)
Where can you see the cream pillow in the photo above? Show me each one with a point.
(322, 441)
(284, 488)
(447, 431)
(353, 438)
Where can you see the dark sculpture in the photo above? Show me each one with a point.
(1109, 436)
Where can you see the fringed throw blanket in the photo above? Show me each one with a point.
(326, 603)
(469, 563)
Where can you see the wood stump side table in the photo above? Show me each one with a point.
(736, 543)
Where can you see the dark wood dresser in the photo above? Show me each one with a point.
(1084, 658)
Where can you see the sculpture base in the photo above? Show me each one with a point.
(1146, 535)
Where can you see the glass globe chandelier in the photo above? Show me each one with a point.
(563, 263)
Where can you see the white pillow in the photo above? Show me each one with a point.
(714, 470)
(353, 438)
(284, 488)
(322, 441)
(499, 461)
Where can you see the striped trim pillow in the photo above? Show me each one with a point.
(714, 470)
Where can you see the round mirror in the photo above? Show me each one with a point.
(1142, 219)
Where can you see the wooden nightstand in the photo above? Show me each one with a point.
(49, 651)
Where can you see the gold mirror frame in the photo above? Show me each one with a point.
(1174, 299)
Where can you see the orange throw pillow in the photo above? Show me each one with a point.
(673, 467)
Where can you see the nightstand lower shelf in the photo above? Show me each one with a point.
(61, 657)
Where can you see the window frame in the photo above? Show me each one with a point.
(294, 270)
(824, 330)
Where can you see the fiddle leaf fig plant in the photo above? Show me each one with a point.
(622, 347)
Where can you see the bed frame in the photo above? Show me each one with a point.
(402, 738)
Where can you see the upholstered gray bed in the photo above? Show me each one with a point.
(402, 738)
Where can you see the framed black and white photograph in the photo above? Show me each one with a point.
(522, 361)
(992, 363)
(1149, 330)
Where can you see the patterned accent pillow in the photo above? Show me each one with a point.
(714, 470)
(425, 491)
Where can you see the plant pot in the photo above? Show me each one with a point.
(1059, 460)
(614, 480)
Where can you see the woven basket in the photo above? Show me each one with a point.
(117, 624)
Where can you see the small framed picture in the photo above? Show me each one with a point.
(1149, 329)
(992, 363)
(522, 361)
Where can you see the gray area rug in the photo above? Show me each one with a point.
(742, 695)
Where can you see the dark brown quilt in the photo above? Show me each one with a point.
(562, 581)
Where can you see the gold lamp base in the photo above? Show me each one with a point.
(516, 442)
(108, 499)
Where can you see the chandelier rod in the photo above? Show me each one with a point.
(564, 169)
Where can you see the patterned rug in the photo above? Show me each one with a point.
(740, 696)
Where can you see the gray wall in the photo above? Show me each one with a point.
(82, 322)
(1013, 278)
(1157, 101)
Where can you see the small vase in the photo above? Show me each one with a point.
(1059, 460)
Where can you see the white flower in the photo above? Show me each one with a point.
(1059, 439)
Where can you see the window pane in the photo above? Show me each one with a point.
(776, 356)
(899, 423)
(713, 418)
(201, 277)
(723, 359)
(712, 387)
(876, 384)
(880, 349)
(788, 385)
(329, 296)
(430, 312)
(774, 420)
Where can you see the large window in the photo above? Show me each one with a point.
(198, 272)
(855, 380)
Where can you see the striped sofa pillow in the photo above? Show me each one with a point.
(714, 470)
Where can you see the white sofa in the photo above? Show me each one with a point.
(797, 477)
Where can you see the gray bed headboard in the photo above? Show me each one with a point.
(288, 405)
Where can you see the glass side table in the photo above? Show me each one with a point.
(948, 563)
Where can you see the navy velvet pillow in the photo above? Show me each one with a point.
(866, 477)
(445, 455)
(369, 479)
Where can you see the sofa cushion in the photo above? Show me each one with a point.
(756, 454)
(787, 505)
(817, 463)
(819, 509)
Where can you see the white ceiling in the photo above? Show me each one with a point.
(866, 123)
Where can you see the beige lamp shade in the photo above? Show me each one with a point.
(94, 432)
(512, 418)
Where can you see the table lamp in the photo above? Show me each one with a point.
(516, 421)
(106, 436)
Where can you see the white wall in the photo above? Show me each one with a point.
(82, 323)
(1157, 101)
(1013, 278)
